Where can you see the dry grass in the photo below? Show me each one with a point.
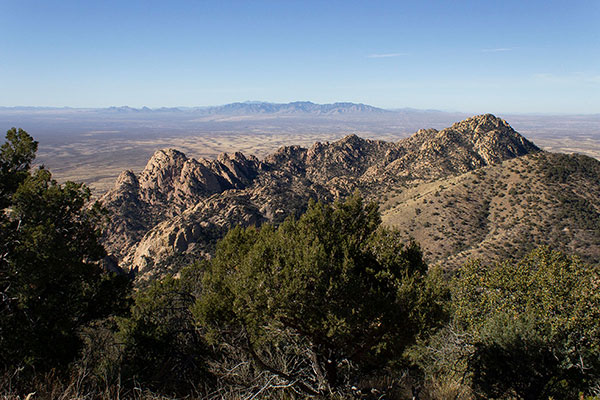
(80, 385)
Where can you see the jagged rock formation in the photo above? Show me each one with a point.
(170, 184)
(180, 206)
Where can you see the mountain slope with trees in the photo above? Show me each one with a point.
(330, 304)
(504, 211)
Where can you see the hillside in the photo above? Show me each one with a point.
(503, 211)
(289, 293)
(445, 188)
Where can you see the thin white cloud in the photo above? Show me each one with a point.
(387, 55)
(496, 50)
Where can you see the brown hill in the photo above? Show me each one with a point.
(177, 207)
(502, 211)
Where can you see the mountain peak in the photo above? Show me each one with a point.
(127, 179)
(165, 157)
(482, 123)
(351, 139)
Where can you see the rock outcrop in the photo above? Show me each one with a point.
(177, 208)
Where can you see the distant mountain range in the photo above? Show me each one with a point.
(240, 108)
(253, 107)
(257, 107)
(293, 108)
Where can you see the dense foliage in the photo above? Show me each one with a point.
(16, 156)
(346, 291)
(538, 322)
(527, 329)
(160, 345)
(51, 283)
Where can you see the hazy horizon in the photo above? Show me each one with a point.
(208, 106)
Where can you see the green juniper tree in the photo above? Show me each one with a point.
(537, 325)
(319, 298)
(51, 283)
(16, 155)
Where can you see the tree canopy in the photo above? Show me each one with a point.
(332, 287)
(51, 282)
(16, 155)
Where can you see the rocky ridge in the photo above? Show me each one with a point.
(178, 207)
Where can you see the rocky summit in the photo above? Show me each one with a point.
(176, 209)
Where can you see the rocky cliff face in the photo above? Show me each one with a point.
(178, 207)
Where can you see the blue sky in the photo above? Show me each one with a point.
(472, 56)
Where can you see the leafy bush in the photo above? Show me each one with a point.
(535, 325)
